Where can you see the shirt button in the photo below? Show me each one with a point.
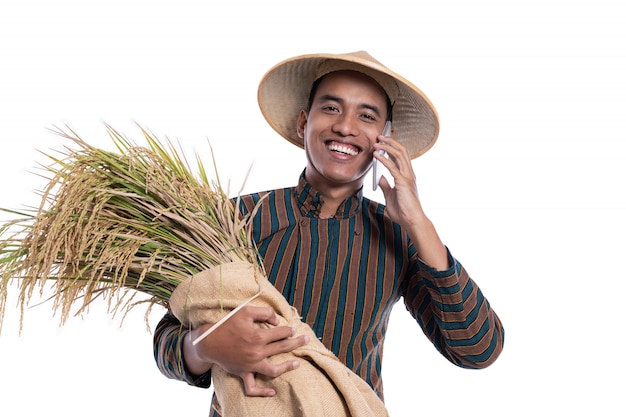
(304, 222)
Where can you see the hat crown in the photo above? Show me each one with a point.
(364, 63)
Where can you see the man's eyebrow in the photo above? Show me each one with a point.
(373, 108)
(330, 97)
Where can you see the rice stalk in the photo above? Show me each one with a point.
(118, 224)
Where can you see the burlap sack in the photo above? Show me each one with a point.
(321, 386)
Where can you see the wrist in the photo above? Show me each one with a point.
(430, 248)
(195, 362)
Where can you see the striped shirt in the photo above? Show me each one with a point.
(344, 275)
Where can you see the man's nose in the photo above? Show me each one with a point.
(345, 125)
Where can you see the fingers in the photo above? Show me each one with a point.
(245, 344)
(249, 379)
(252, 390)
(271, 370)
(273, 334)
(279, 339)
(261, 315)
(398, 160)
(286, 345)
(401, 197)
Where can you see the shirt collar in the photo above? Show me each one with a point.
(310, 201)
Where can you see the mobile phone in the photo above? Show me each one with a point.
(377, 169)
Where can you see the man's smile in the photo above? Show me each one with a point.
(343, 148)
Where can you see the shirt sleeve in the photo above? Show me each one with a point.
(168, 353)
(454, 314)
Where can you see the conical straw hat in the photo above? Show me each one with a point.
(285, 89)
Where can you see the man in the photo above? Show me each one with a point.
(340, 259)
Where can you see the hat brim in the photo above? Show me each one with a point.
(284, 91)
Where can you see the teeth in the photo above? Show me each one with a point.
(342, 149)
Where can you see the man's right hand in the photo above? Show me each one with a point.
(241, 347)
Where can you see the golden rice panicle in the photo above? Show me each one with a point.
(115, 224)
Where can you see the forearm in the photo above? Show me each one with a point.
(472, 331)
(459, 321)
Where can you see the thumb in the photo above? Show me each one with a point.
(384, 186)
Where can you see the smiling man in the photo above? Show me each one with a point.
(342, 260)
(339, 130)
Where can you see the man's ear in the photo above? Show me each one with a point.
(302, 119)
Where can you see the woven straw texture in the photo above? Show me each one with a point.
(284, 91)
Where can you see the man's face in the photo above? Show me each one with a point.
(347, 115)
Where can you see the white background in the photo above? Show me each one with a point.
(525, 183)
